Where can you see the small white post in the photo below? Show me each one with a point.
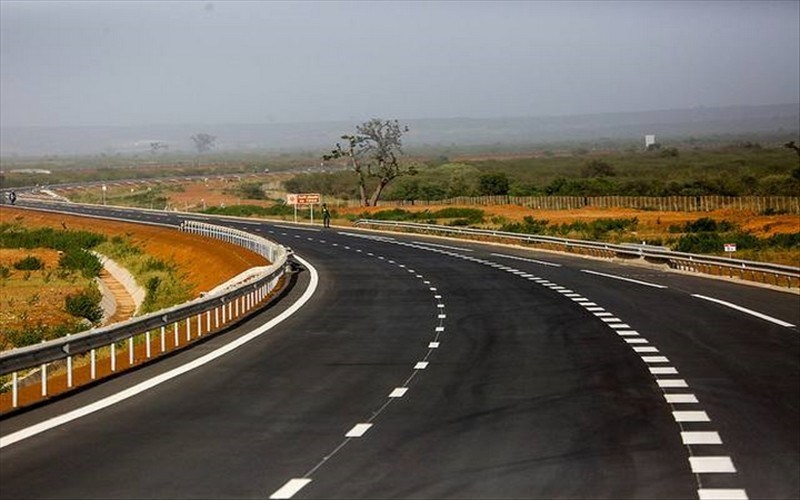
(113, 357)
(69, 371)
(93, 356)
(216, 317)
(223, 314)
(237, 308)
(199, 324)
(188, 329)
(163, 339)
(44, 380)
(147, 342)
(208, 320)
(14, 390)
(177, 339)
(130, 351)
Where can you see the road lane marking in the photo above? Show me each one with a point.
(358, 430)
(175, 372)
(690, 416)
(637, 340)
(711, 464)
(745, 310)
(647, 348)
(663, 370)
(721, 494)
(421, 365)
(621, 278)
(296, 228)
(441, 246)
(666, 383)
(695, 437)
(398, 392)
(619, 326)
(680, 398)
(439, 328)
(289, 489)
(514, 257)
(655, 359)
(433, 345)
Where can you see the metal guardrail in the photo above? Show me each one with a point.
(188, 318)
(775, 274)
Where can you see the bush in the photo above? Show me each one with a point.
(707, 224)
(85, 304)
(29, 263)
(80, 260)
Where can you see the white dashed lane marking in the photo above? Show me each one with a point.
(358, 430)
(289, 489)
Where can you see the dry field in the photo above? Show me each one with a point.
(206, 263)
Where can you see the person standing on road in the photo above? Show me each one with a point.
(326, 216)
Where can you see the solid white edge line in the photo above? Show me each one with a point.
(441, 246)
(745, 310)
(289, 489)
(621, 278)
(514, 257)
(175, 372)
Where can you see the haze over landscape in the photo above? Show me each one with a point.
(89, 77)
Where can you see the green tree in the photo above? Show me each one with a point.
(375, 151)
(598, 168)
(493, 184)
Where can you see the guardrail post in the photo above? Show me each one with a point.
(188, 329)
(175, 331)
(69, 371)
(113, 357)
(147, 342)
(14, 390)
(236, 300)
(216, 317)
(199, 324)
(208, 320)
(223, 314)
(43, 371)
(163, 339)
(93, 356)
(130, 351)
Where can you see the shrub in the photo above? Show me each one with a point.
(29, 263)
(5, 272)
(707, 224)
(85, 304)
(80, 260)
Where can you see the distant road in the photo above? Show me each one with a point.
(426, 368)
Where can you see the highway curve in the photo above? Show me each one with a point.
(431, 368)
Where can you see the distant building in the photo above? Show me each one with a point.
(649, 140)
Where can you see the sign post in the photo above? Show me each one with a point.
(309, 199)
(730, 248)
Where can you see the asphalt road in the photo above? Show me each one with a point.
(425, 368)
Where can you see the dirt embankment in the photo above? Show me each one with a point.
(205, 262)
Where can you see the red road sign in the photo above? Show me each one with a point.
(303, 199)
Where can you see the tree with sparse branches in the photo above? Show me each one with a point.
(203, 142)
(374, 151)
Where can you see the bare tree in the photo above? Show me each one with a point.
(374, 152)
(792, 145)
(203, 142)
(156, 146)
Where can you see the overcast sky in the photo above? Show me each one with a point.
(140, 63)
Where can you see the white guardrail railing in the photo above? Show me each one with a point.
(761, 272)
(63, 364)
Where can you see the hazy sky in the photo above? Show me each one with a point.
(138, 63)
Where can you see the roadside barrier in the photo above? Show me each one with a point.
(66, 363)
(761, 272)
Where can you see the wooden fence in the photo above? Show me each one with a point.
(756, 204)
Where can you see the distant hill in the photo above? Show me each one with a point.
(698, 122)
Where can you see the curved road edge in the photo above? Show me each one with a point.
(175, 372)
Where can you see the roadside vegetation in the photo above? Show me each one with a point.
(703, 235)
(48, 281)
(745, 169)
